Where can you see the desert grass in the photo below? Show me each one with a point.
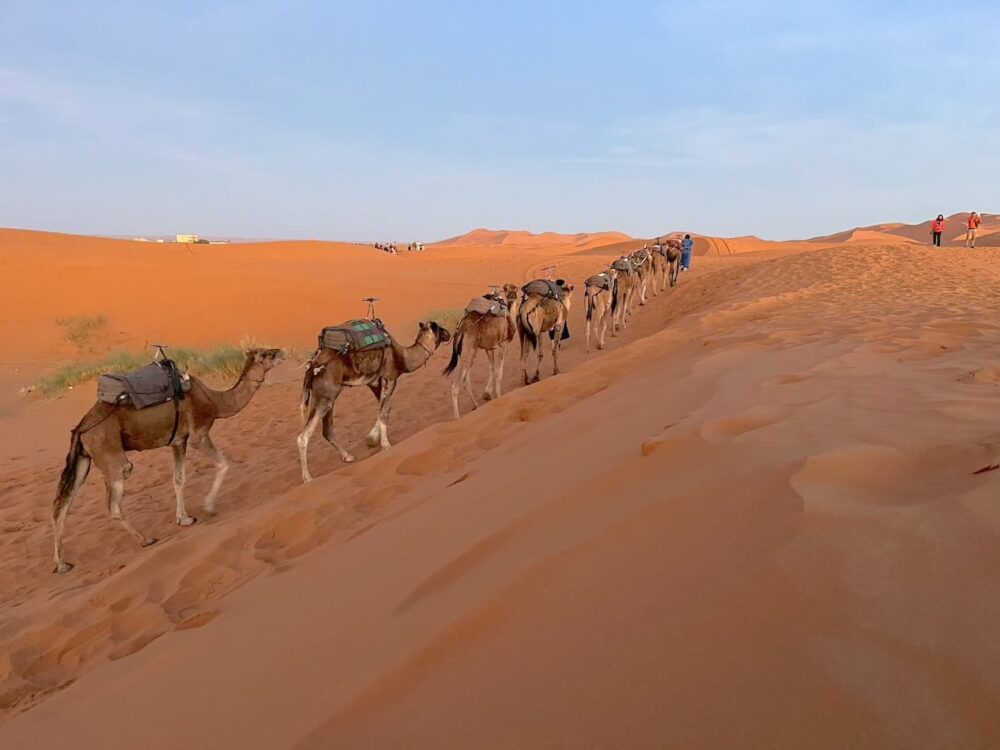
(84, 331)
(448, 317)
(225, 361)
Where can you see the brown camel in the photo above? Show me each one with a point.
(642, 260)
(541, 314)
(658, 263)
(329, 372)
(492, 334)
(107, 432)
(599, 296)
(625, 288)
(674, 250)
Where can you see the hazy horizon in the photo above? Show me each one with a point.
(402, 121)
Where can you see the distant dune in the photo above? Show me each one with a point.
(516, 238)
(954, 233)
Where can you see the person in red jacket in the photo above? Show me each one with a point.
(937, 229)
(973, 227)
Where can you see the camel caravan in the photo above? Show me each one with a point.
(158, 406)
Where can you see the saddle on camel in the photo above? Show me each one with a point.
(156, 383)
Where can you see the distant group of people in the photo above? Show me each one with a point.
(392, 248)
(971, 229)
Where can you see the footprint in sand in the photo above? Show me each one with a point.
(730, 428)
(885, 476)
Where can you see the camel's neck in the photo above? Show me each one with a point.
(513, 305)
(232, 402)
(414, 357)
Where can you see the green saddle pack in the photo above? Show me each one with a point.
(354, 336)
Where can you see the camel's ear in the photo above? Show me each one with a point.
(423, 326)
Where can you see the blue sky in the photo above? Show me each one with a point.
(392, 120)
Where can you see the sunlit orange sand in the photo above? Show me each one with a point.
(753, 521)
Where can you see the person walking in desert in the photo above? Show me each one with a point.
(937, 229)
(972, 228)
(687, 247)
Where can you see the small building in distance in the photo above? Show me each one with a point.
(187, 238)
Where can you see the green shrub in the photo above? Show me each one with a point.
(226, 361)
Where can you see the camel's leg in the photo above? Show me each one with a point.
(374, 436)
(325, 410)
(206, 446)
(538, 363)
(591, 307)
(602, 328)
(316, 414)
(61, 507)
(555, 347)
(313, 417)
(180, 477)
(454, 394)
(501, 358)
(387, 387)
(526, 352)
(490, 388)
(467, 377)
(116, 489)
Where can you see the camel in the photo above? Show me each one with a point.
(672, 251)
(599, 297)
(490, 333)
(329, 372)
(108, 431)
(642, 260)
(537, 315)
(626, 281)
(658, 263)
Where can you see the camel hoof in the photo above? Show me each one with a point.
(600, 346)
(372, 441)
(149, 542)
(536, 379)
(187, 521)
(349, 459)
(210, 512)
(487, 397)
(63, 567)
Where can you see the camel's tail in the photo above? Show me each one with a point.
(67, 480)
(456, 348)
(524, 315)
(307, 382)
(590, 294)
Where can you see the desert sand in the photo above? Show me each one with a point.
(753, 521)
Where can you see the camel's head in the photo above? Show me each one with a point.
(440, 333)
(511, 292)
(264, 358)
(566, 288)
(612, 273)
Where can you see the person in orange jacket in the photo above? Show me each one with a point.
(937, 229)
(973, 227)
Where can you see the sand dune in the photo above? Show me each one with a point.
(506, 238)
(753, 522)
(954, 234)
